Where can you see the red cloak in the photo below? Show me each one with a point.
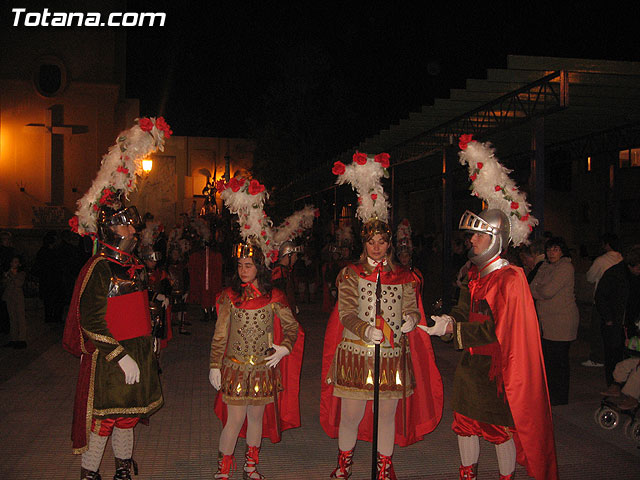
(424, 407)
(205, 277)
(508, 295)
(288, 401)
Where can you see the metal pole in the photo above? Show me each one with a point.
(376, 388)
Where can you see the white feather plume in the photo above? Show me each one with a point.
(119, 169)
(490, 181)
(248, 205)
(366, 181)
(295, 225)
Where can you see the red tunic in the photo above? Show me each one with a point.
(205, 277)
(424, 407)
(288, 402)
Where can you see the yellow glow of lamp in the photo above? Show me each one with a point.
(147, 165)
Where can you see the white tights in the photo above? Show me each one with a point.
(470, 451)
(351, 413)
(235, 419)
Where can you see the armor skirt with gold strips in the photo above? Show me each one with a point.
(351, 372)
(248, 382)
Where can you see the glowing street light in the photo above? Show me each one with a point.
(147, 165)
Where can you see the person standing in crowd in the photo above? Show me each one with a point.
(282, 273)
(47, 268)
(377, 304)
(610, 244)
(256, 350)
(179, 277)
(499, 388)
(532, 257)
(205, 272)
(109, 325)
(553, 290)
(159, 294)
(6, 254)
(613, 297)
(12, 294)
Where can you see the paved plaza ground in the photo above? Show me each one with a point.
(37, 387)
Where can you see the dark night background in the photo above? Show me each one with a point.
(310, 81)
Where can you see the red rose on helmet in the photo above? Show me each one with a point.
(161, 124)
(464, 140)
(360, 158)
(220, 185)
(382, 159)
(338, 168)
(316, 212)
(515, 205)
(73, 223)
(374, 196)
(145, 124)
(236, 184)
(122, 169)
(473, 177)
(524, 218)
(247, 226)
(480, 165)
(498, 188)
(255, 187)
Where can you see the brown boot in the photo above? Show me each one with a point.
(385, 468)
(614, 390)
(123, 468)
(469, 472)
(89, 475)
(345, 461)
(226, 466)
(251, 458)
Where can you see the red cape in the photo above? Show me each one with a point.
(523, 370)
(424, 407)
(288, 402)
(198, 270)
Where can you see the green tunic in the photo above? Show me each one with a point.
(112, 397)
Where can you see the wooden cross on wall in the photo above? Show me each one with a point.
(56, 130)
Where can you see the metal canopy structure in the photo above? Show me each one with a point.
(590, 103)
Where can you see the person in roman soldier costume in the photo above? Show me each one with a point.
(339, 254)
(404, 252)
(256, 350)
(376, 305)
(108, 324)
(159, 287)
(499, 389)
(282, 273)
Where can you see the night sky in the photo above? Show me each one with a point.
(352, 71)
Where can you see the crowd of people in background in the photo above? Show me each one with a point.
(192, 263)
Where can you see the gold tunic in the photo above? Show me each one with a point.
(352, 369)
(239, 347)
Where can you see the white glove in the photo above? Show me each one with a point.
(440, 327)
(161, 298)
(409, 324)
(215, 378)
(373, 334)
(130, 369)
(274, 358)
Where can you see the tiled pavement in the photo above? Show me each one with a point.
(36, 395)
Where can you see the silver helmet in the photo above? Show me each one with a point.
(108, 218)
(289, 248)
(493, 222)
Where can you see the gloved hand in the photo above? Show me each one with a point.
(409, 323)
(440, 326)
(373, 334)
(215, 378)
(275, 357)
(130, 369)
(161, 298)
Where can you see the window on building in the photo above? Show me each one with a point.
(629, 158)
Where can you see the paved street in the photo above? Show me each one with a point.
(37, 386)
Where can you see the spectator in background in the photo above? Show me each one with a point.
(532, 257)
(12, 283)
(6, 253)
(553, 290)
(47, 268)
(612, 301)
(611, 256)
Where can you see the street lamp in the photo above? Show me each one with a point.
(147, 165)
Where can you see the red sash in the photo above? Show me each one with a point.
(128, 315)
